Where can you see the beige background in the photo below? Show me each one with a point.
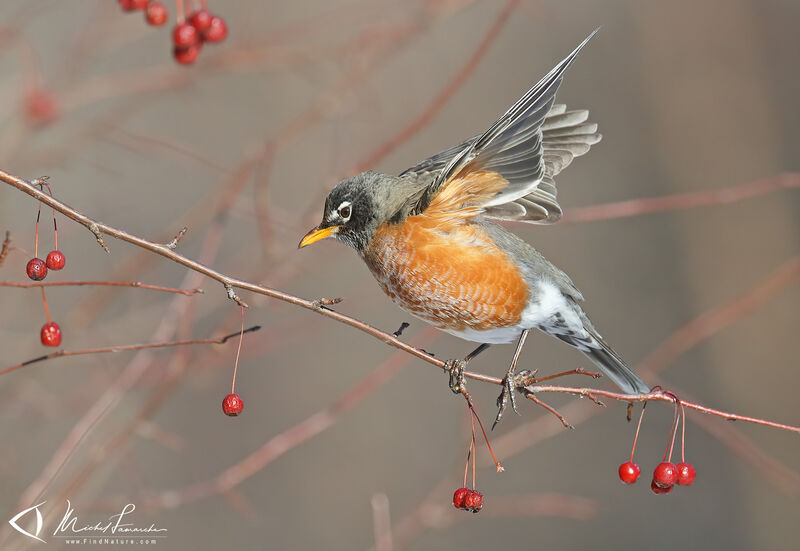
(689, 96)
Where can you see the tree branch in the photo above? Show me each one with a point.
(319, 306)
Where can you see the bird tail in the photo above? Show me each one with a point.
(613, 367)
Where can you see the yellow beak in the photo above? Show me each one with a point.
(317, 234)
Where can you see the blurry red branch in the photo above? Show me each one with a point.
(187, 292)
(124, 348)
(445, 95)
(434, 514)
(287, 440)
(682, 201)
(711, 322)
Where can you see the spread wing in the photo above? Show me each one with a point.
(531, 143)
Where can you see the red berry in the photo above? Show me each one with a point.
(36, 269)
(686, 474)
(232, 405)
(629, 472)
(133, 5)
(186, 56)
(473, 501)
(40, 107)
(458, 498)
(217, 30)
(665, 474)
(660, 490)
(201, 20)
(51, 334)
(156, 14)
(56, 260)
(184, 35)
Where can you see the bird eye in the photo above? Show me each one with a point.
(345, 210)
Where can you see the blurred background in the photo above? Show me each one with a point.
(341, 436)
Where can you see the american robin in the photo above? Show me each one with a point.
(428, 237)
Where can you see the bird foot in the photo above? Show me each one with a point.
(511, 382)
(455, 368)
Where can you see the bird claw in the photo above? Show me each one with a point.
(511, 382)
(455, 369)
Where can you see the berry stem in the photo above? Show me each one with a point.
(683, 433)
(46, 308)
(55, 226)
(474, 451)
(673, 430)
(636, 436)
(238, 351)
(36, 233)
(485, 438)
(180, 12)
(466, 466)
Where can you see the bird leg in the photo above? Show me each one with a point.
(456, 369)
(510, 382)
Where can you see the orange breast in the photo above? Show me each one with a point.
(447, 272)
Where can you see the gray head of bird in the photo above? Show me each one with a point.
(356, 207)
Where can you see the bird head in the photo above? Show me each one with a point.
(356, 207)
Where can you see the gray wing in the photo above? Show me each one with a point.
(532, 142)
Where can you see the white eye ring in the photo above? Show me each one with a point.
(345, 210)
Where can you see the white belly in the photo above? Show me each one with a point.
(490, 336)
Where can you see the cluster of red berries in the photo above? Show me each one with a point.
(666, 474)
(155, 13)
(464, 498)
(468, 500)
(189, 36)
(36, 269)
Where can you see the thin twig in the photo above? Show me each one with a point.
(187, 292)
(123, 348)
(661, 396)
(5, 247)
(532, 397)
(175, 240)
